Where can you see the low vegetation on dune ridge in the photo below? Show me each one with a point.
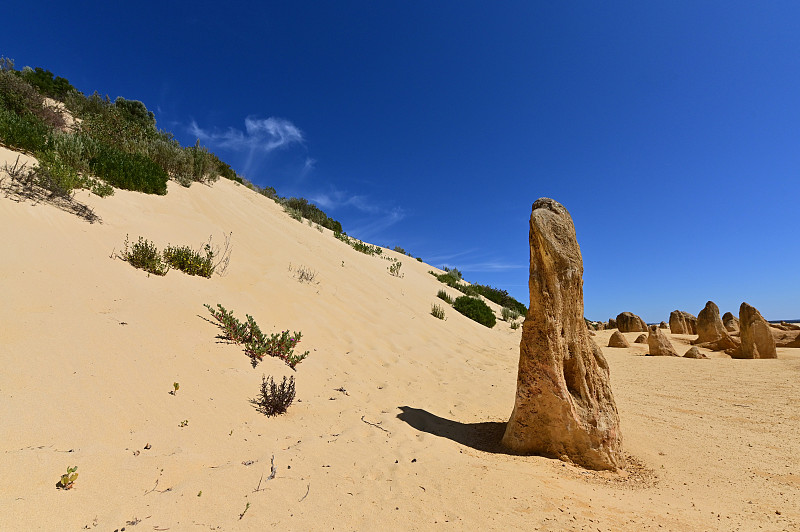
(117, 142)
(98, 144)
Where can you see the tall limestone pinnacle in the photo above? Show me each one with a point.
(564, 407)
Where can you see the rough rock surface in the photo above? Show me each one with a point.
(630, 322)
(757, 340)
(641, 339)
(681, 322)
(790, 326)
(663, 325)
(730, 322)
(711, 332)
(612, 323)
(659, 344)
(563, 407)
(617, 340)
(785, 338)
(693, 352)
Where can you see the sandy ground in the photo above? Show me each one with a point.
(397, 415)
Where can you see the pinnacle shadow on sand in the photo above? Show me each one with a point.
(485, 436)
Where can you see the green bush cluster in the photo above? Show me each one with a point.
(358, 245)
(256, 343)
(453, 279)
(130, 171)
(145, 256)
(437, 311)
(189, 261)
(311, 212)
(445, 297)
(476, 310)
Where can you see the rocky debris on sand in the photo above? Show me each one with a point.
(693, 352)
(564, 407)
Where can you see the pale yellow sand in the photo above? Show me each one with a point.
(90, 348)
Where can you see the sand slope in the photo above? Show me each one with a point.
(90, 348)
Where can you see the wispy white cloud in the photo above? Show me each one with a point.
(263, 135)
(378, 224)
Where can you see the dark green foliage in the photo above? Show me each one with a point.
(135, 111)
(22, 132)
(256, 343)
(367, 249)
(475, 309)
(189, 261)
(130, 171)
(144, 255)
(312, 212)
(400, 250)
(445, 297)
(274, 399)
(500, 297)
(54, 87)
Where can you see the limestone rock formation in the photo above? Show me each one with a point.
(785, 338)
(612, 323)
(681, 322)
(617, 340)
(663, 325)
(757, 340)
(563, 407)
(693, 352)
(730, 322)
(659, 344)
(641, 339)
(630, 322)
(790, 326)
(709, 324)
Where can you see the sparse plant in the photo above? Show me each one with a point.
(444, 296)
(273, 398)
(184, 423)
(175, 387)
(145, 256)
(476, 310)
(68, 479)
(256, 343)
(394, 269)
(514, 325)
(437, 311)
(304, 274)
(293, 213)
(507, 314)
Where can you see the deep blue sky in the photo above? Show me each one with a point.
(669, 130)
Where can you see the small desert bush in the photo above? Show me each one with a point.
(437, 311)
(394, 268)
(189, 261)
(256, 343)
(145, 256)
(274, 399)
(293, 213)
(365, 248)
(507, 314)
(304, 274)
(476, 310)
(514, 325)
(444, 296)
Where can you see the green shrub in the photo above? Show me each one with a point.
(129, 171)
(312, 212)
(145, 256)
(54, 87)
(189, 261)
(514, 325)
(394, 269)
(437, 311)
(22, 132)
(445, 297)
(256, 343)
(507, 314)
(294, 214)
(365, 248)
(476, 310)
(274, 399)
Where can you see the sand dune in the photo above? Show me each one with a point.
(90, 348)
